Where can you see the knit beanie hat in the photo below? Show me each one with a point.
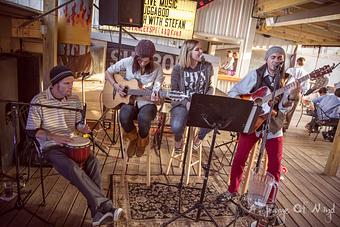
(145, 48)
(58, 73)
(272, 50)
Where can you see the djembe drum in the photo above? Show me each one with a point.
(78, 150)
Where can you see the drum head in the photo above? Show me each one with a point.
(79, 141)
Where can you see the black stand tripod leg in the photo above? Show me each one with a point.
(183, 169)
(199, 205)
(100, 120)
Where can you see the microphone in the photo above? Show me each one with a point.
(202, 59)
(84, 75)
(278, 65)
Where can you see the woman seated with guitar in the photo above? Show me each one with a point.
(191, 75)
(140, 72)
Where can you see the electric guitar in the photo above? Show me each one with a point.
(263, 95)
(111, 99)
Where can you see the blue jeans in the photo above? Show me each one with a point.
(179, 116)
(144, 116)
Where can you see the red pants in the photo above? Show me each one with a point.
(245, 144)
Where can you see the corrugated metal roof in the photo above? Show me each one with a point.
(224, 18)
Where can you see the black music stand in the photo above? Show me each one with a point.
(217, 113)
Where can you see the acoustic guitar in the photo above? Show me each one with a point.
(263, 95)
(111, 99)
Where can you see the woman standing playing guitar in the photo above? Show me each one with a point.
(149, 75)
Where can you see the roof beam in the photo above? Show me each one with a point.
(267, 6)
(327, 13)
(299, 40)
(305, 34)
(316, 30)
(309, 35)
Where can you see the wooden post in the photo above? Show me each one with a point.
(265, 164)
(189, 154)
(249, 167)
(333, 161)
(50, 41)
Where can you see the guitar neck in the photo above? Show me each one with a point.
(287, 87)
(145, 92)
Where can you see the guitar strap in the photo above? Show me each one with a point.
(276, 121)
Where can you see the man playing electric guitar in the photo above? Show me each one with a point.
(263, 76)
(149, 75)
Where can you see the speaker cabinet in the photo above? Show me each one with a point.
(127, 13)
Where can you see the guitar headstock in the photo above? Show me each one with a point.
(322, 71)
(176, 95)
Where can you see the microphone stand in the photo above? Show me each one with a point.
(265, 128)
(83, 118)
(20, 203)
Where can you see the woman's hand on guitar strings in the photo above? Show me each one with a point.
(155, 96)
(119, 89)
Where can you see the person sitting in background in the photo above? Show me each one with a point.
(328, 106)
(229, 61)
(308, 100)
(235, 56)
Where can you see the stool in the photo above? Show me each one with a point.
(180, 156)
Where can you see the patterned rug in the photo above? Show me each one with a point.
(159, 201)
(152, 206)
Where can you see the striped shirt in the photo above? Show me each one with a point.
(57, 121)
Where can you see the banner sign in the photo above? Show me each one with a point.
(74, 22)
(166, 18)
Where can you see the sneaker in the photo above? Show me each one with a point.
(116, 212)
(100, 218)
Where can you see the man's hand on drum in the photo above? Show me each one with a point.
(85, 129)
(60, 139)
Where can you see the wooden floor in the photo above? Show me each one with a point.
(306, 196)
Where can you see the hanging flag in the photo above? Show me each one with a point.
(74, 22)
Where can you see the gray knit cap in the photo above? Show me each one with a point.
(58, 73)
(274, 49)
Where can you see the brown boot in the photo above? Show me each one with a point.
(141, 145)
(130, 139)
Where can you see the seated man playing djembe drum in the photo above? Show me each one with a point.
(54, 129)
